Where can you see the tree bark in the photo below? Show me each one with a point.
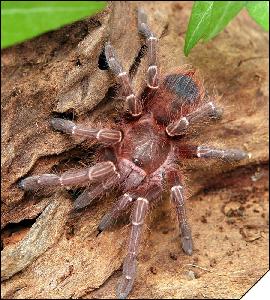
(47, 253)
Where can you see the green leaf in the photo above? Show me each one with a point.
(198, 22)
(259, 11)
(23, 20)
(208, 18)
(222, 13)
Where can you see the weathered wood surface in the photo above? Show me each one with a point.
(58, 73)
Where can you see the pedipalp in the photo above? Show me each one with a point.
(95, 191)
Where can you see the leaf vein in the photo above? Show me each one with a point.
(197, 27)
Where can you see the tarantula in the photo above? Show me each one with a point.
(141, 156)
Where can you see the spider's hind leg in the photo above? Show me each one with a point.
(152, 45)
(208, 152)
(133, 103)
(207, 111)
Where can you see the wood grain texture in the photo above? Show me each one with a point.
(61, 256)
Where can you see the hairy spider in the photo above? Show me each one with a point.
(141, 157)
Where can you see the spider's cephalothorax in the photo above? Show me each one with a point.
(141, 157)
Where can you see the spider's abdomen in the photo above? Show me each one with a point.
(180, 92)
(144, 145)
(183, 86)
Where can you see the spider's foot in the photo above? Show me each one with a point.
(124, 287)
(29, 183)
(105, 222)
(186, 238)
(62, 125)
(21, 184)
(187, 245)
(126, 281)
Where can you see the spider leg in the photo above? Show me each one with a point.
(131, 177)
(92, 193)
(133, 103)
(152, 43)
(97, 173)
(121, 205)
(177, 195)
(106, 136)
(199, 151)
(179, 127)
(148, 192)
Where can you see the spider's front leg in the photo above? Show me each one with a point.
(177, 195)
(105, 136)
(98, 173)
(133, 103)
(148, 192)
(152, 44)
